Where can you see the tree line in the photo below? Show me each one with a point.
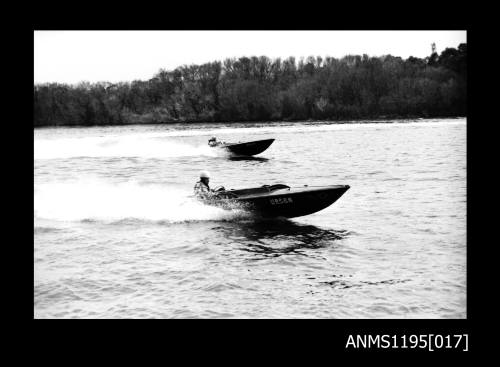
(264, 89)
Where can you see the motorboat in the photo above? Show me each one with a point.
(278, 200)
(242, 149)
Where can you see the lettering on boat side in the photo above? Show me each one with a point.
(279, 201)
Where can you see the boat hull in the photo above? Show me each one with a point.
(284, 202)
(249, 148)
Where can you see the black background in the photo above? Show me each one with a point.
(233, 341)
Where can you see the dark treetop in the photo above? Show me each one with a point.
(261, 89)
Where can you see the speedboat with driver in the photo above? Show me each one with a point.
(278, 200)
(242, 149)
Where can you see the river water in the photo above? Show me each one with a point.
(118, 235)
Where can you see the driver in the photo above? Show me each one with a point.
(202, 189)
(213, 142)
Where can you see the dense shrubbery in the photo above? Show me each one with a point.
(260, 89)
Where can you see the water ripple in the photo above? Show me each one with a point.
(116, 235)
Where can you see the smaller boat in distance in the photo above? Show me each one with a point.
(242, 149)
(271, 201)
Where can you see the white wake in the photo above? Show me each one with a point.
(103, 201)
(117, 146)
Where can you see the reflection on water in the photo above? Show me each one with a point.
(249, 158)
(343, 283)
(275, 237)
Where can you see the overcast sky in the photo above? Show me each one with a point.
(74, 56)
